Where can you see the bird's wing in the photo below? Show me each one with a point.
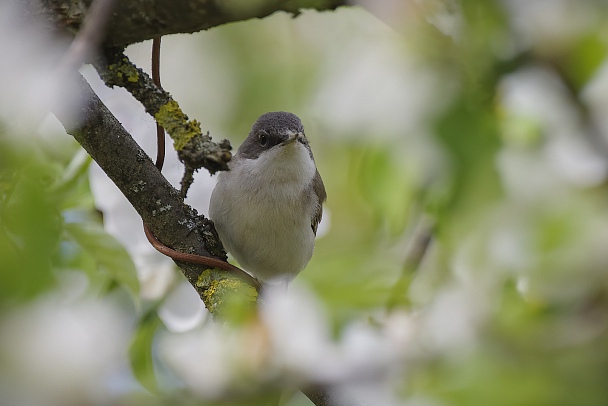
(319, 189)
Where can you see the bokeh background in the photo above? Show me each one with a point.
(480, 123)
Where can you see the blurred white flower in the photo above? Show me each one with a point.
(445, 15)
(290, 343)
(298, 332)
(207, 359)
(549, 24)
(537, 93)
(595, 95)
(565, 157)
(450, 324)
(575, 161)
(182, 309)
(526, 177)
(69, 349)
(381, 392)
(401, 15)
(371, 87)
(508, 245)
(214, 360)
(155, 272)
(29, 79)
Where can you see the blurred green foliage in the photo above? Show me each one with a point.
(140, 351)
(48, 222)
(530, 259)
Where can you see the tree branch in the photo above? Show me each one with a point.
(90, 36)
(421, 241)
(138, 20)
(158, 203)
(195, 149)
(321, 395)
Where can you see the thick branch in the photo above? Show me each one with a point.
(160, 206)
(138, 20)
(322, 395)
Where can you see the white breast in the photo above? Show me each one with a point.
(262, 210)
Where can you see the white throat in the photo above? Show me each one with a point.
(289, 166)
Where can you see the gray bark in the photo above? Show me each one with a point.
(138, 20)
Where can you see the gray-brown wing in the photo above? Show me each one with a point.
(319, 189)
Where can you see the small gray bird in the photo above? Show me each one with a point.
(267, 207)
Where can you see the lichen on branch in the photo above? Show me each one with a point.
(195, 148)
(224, 294)
(171, 117)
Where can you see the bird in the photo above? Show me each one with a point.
(267, 207)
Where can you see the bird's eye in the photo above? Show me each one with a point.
(263, 138)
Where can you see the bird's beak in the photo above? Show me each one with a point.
(292, 137)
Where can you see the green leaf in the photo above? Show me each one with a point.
(72, 188)
(109, 254)
(585, 58)
(140, 351)
(30, 229)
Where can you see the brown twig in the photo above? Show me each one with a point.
(420, 243)
(160, 131)
(160, 159)
(201, 260)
